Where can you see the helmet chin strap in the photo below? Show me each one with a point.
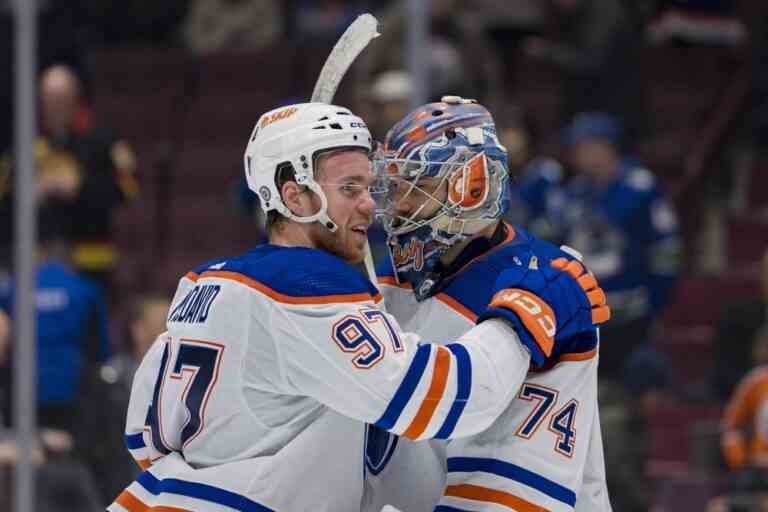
(320, 216)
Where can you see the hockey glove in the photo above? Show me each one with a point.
(544, 304)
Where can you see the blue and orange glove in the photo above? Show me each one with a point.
(547, 305)
(601, 312)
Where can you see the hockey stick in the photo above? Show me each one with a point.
(350, 44)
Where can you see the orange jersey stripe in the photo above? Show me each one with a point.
(478, 493)
(391, 281)
(573, 356)
(435, 393)
(578, 356)
(130, 502)
(457, 306)
(442, 297)
(288, 299)
(144, 463)
(133, 504)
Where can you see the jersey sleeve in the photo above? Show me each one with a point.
(356, 359)
(137, 434)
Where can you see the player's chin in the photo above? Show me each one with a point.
(354, 252)
(355, 256)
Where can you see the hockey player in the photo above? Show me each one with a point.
(256, 398)
(449, 187)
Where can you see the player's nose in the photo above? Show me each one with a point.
(367, 204)
(402, 205)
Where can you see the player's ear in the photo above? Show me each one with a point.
(295, 198)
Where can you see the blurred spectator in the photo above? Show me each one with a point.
(462, 60)
(737, 324)
(72, 336)
(598, 51)
(219, 25)
(85, 171)
(711, 22)
(71, 341)
(617, 215)
(745, 422)
(63, 24)
(146, 321)
(539, 182)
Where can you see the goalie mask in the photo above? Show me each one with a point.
(293, 137)
(447, 180)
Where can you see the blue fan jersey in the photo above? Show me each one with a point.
(628, 234)
(71, 313)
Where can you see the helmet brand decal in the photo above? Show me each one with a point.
(278, 116)
(265, 194)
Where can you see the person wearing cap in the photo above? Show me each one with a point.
(616, 213)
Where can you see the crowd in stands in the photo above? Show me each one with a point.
(582, 178)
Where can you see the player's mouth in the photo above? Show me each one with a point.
(360, 229)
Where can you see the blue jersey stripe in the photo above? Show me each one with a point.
(406, 389)
(199, 491)
(134, 441)
(446, 508)
(464, 387)
(513, 472)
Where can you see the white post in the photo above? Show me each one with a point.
(25, 340)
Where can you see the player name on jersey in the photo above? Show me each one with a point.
(196, 305)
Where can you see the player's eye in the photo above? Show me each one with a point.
(351, 189)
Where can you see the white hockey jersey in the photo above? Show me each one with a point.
(544, 453)
(255, 399)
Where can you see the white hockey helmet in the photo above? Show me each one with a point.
(295, 135)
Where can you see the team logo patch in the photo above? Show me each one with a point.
(402, 255)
